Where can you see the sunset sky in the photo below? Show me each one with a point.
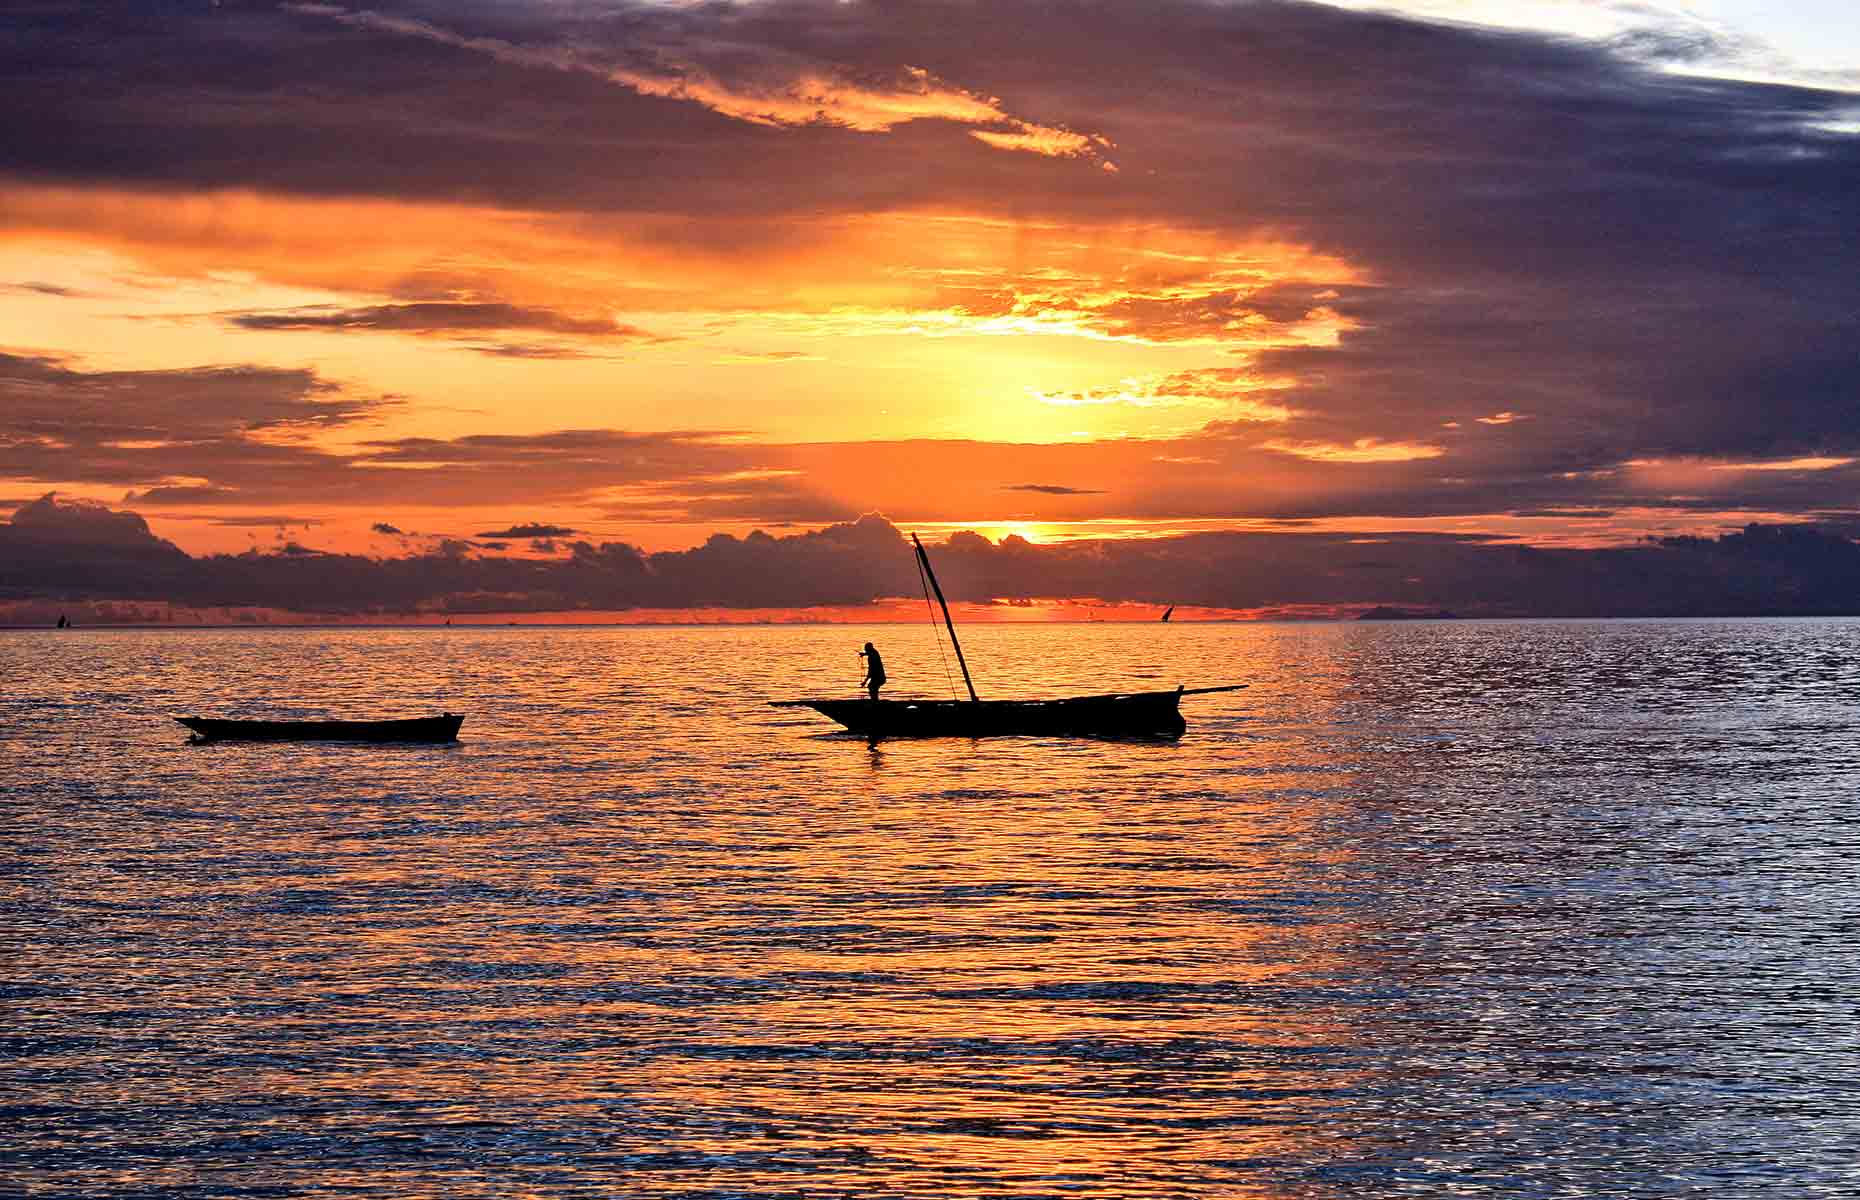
(380, 280)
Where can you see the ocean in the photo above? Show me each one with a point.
(1432, 908)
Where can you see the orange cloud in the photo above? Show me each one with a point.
(892, 271)
(1809, 463)
(1040, 139)
(1362, 450)
(1232, 392)
(781, 90)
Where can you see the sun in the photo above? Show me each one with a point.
(996, 531)
(1026, 530)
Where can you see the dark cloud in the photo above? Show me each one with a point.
(1587, 513)
(531, 530)
(384, 527)
(261, 522)
(199, 436)
(81, 523)
(56, 550)
(237, 436)
(1051, 489)
(53, 548)
(439, 317)
(561, 448)
(42, 398)
(40, 289)
(184, 494)
(1346, 107)
(522, 350)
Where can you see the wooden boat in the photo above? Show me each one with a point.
(1114, 714)
(1111, 714)
(442, 728)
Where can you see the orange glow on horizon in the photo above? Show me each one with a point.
(895, 611)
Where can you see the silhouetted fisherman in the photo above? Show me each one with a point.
(62, 623)
(874, 670)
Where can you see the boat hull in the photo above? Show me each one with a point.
(1128, 714)
(443, 728)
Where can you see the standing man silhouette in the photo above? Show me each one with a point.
(874, 670)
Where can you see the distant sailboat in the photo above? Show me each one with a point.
(1168, 611)
(1112, 714)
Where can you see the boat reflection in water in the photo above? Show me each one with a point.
(1111, 714)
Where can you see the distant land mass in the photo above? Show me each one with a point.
(1383, 612)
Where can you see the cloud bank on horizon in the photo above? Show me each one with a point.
(56, 551)
(1088, 266)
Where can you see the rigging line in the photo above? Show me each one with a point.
(923, 582)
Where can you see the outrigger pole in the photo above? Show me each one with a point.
(923, 560)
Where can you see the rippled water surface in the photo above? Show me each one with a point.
(1519, 909)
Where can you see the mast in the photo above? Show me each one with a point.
(924, 561)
